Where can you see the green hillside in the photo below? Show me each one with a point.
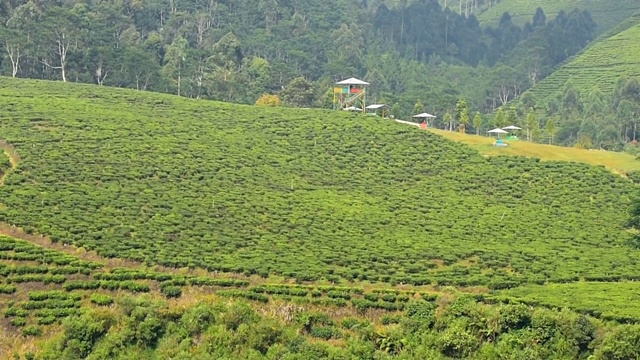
(600, 66)
(56, 305)
(301, 194)
(374, 219)
(607, 14)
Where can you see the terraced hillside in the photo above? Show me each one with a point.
(300, 194)
(600, 66)
(57, 306)
(607, 14)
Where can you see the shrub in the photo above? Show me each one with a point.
(18, 321)
(171, 291)
(101, 299)
(7, 289)
(269, 100)
(325, 332)
(32, 330)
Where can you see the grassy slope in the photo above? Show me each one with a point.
(297, 193)
(606, 13)
(599, 66)
(616, 161)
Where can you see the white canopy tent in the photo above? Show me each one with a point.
(352, 108)
(511, 127)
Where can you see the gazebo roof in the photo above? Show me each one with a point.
(377, 106)
(424, 115)
(352, 81)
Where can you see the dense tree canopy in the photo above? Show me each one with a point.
(238, 50)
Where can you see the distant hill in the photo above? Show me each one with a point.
(600, 66)
(606, 13)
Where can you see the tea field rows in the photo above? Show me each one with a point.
(303, 194)
(616, 301)
(606, 13)
(41, 287)
(600, 66)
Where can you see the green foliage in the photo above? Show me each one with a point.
(599, 112)
(456, 341)
(420, 315)
(235, 330)
(197, 319)
(622, 343)
(101, 299)
(171, 291)
(80, 334)
(32, 330)
(605, 14)
(514, 317)
(612, 301)
(238, 314)
(477, 122)
(7, 289)
(374, 189)
(299, 93)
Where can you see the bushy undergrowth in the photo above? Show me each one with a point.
(463, 329)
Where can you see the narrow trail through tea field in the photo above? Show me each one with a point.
(13, 156)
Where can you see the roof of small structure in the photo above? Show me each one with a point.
(352, 108)
(352, 81)
(377, 106)
(511, 127)
(424, 115)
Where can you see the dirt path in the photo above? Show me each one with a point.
(13, 156)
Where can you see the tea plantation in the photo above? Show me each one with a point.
(301, 194)
(605, 13)
(57, 306)
(600, 66)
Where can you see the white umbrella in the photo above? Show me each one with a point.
(497, 131)
(511, 127)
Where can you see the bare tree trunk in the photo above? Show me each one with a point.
(179, 80)
(62, 51)
(100, 76)
(14, 58)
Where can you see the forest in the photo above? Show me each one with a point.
(411, 51)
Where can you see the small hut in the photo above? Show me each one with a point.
(375, 108)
